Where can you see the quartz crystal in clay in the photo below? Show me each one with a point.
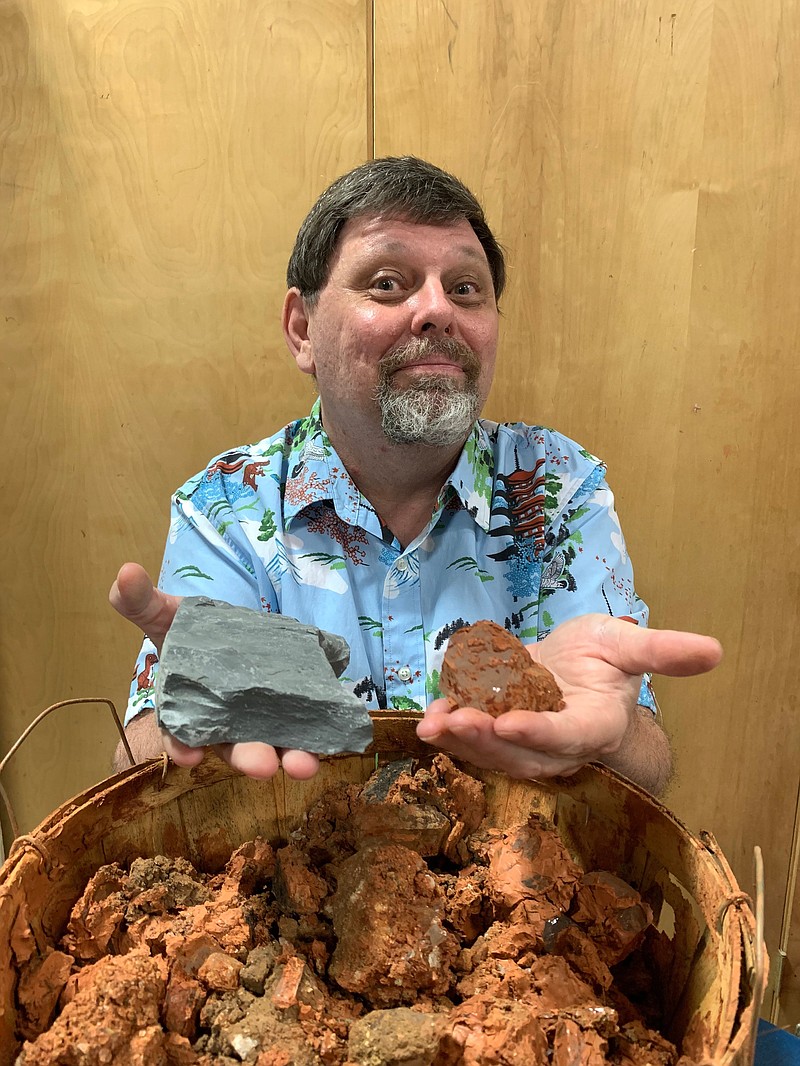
(487, 667)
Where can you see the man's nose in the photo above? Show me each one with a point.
(432, 311)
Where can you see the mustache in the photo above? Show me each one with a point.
(423, 348)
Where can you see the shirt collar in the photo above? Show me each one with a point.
(316, 474)
(473, 476)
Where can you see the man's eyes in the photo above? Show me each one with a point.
(466, 288)
(385, 283)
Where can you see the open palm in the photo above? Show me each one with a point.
(598, 662)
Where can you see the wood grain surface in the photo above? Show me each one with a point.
(639, 163)
(155, 163)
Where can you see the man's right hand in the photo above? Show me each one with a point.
(136, 598)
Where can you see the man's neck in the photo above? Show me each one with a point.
(401, 481)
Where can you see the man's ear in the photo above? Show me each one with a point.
(294, 320)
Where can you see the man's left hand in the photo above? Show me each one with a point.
(598, 662)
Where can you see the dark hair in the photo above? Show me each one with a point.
(396, 186)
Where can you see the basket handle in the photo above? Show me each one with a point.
(390, 728)
(40, 717)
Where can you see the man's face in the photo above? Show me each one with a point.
(404, 333)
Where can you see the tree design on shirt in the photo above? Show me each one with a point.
(268, 528)
(326, 521)
(479, 459)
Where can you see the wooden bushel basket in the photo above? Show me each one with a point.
(712, 986)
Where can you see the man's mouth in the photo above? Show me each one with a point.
(433, 366)
(446, 357)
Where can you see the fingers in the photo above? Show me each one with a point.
(135, 597)
(299, 765)
(637, 650)
(253, 759)
(180, 753)
(132, 589)
(471, 735)
(574, 646)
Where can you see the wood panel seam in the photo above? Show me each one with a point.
(370, 49)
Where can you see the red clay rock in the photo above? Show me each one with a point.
(220, 972)
(21, 939)
(187, 954)
(535, 913)
(40, 987)
(529, 862)
(295, 984)
(327, 831)
(487, 667)
(498, 1032)
(297, 888)
(559, 987)
(275, 1057)
(465, 901)
(388, 913)
(574, 1046)
(183, 1002)
(227, 924)
(248, 869)
(602, 1019)
(496, 978)
(638, 1046)
(517, 942)
(113, 1019)
(420, 827)
(567, 939)
(275, 959)
(457, 795)
(612, 913)
(180, 1052)
(97, 916)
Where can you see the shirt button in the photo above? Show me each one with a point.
(401, 565)
(404, 673)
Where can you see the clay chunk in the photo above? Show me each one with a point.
(487, 667)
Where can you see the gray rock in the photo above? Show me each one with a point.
(260, 963)
(377, 787)
(229, 674)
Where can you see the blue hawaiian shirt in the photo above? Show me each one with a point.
(524, 532)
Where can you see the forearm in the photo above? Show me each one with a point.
(144, 738)
(644, 755)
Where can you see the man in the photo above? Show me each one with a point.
(393, 515)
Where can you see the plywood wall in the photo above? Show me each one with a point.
(156, 160)
(640, 164)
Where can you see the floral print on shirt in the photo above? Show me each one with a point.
(524, 532)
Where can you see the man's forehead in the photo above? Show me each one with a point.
(397, 235)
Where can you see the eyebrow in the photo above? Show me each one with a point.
(400, 247)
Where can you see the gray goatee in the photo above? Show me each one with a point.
(433, 409)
